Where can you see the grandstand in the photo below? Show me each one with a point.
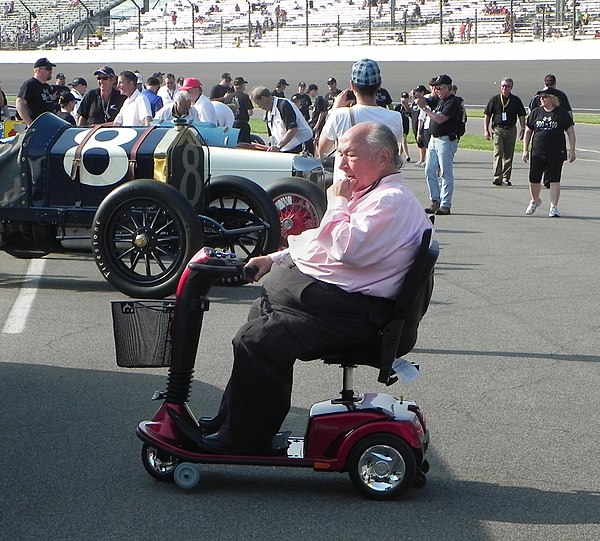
(167, 24)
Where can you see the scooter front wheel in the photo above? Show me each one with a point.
(187, 475)
(382, 466)
(158, 464)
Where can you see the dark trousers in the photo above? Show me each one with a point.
(294, 317)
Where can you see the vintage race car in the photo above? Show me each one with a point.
(146, 198)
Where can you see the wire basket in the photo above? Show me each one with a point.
(143, 333)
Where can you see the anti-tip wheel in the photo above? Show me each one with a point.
(187, 475)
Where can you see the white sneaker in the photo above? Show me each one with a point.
(533, 206)
(554, 213)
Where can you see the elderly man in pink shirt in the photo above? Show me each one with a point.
(334, 285)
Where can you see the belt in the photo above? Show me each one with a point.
(503, 127)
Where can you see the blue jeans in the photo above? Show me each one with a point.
(439, 169)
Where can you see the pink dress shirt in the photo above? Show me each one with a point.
(364, 245)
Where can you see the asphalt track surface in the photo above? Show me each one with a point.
(510, 378)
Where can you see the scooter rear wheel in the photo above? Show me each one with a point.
(158, 464)
(382, 466)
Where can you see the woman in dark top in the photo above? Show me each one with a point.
(545, 130)
(66, 102)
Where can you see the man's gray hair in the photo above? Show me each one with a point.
(258, 92)
(182, 96)
(380, 136)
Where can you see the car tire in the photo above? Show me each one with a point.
(144, 233)
(300, 204)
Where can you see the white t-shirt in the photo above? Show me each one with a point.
(205, 109)
(166, 113)
(134, 111)
(225, 116)
(339, 122)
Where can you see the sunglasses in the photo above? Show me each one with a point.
(102, 78)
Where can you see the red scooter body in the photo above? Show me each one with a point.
(381, 441)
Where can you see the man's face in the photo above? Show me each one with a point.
(550, 83)
(104, 82)
(332, 87)
(505, 88)
(302, 89)
(60, 81)
(170, 82)
(443, 91)
(45, 74)
(359, 163)
(184, 106)
(126, 86)
(263, 103)
(195, 93)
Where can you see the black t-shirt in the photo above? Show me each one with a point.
(304, 104)
(68, 117)
(511, 105)
(317, 107)
(218, 91)
(549, 128)
(243, 103)
(330, 98)
(383, 98)
(277, 93)
(449, 107)
(96, 111)
(38, 96)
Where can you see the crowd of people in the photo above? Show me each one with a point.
(310, 122)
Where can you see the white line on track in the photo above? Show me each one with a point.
(17, 318)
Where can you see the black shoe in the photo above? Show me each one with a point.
(443, 211)
(210, 425)
(497, 183)
(408, 158)
(215, 445)
(507, 183)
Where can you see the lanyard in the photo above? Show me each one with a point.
(504, 105)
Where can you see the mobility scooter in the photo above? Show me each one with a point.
(379, 440)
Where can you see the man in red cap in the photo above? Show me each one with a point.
(35, 96)
(202, 104)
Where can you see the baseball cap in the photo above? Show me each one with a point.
(78, 81)
(421, 88)
(60, 76)
(239, 81)
(295, 97)
(365, 72)
(441, 80)
(312, 86)
(283, 82)
(191, 82)
(301, 83)
(331, 80)
(66, 97)
(550, 78)
(44, 63)
(105, 71)
(226, 76)
(404, 95)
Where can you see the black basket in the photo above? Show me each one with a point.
(143, 333)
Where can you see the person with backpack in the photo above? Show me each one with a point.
(502, 111)
(444, 128)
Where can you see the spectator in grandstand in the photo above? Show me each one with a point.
(550, 88)
(288, 129)
(168, 90)
(78, 89)
(546, 127)
(180, 107)
(243, 108)
(36, 95)
(136, 110)
(280, 87)
(220, 90)
(151, 92)
(365, 80)
(206, 111)
(503, 110)
(100, 105)
(332, 92)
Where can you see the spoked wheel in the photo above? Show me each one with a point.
(382, 466)
(144, 234)
(158, 464)
(300, 204)
(239, 203)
